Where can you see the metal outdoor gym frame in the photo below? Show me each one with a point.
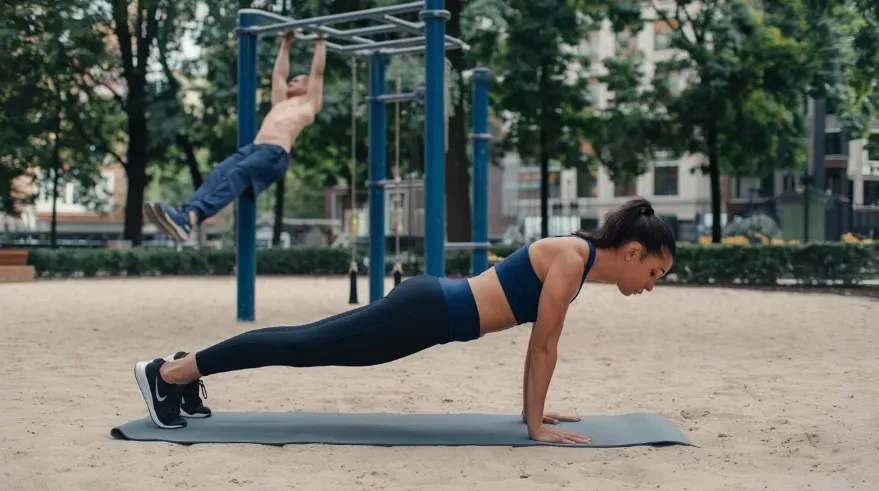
(427, 36)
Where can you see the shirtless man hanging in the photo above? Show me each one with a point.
(258, 165)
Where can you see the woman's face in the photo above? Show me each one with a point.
(640, 271)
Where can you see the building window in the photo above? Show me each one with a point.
(790, 182)
(587, 183)
(589, 46)
(661, 36)
(871, 192)
(592, 92)
(626, 42)
(872, 147)
(750, 187)
(626, 189)
(675, 82)
(833, 144)
(665, 180)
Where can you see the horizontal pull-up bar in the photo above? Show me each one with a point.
(391, 43)
(361, 46)
(405, 25)
(468, 245)
(288, 23)
(416, 95)
(365, 51)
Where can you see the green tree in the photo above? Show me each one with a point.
(136, 28)
(54, 122)
(741, 100)
(539, 87)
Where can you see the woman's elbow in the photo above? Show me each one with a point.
(543, 351)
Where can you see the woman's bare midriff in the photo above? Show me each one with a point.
(495, 313)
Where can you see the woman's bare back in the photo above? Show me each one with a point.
(494, 310)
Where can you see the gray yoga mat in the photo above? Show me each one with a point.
(390, 429)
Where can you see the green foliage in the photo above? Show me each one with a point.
(723, 264)
(542, 85)
(753, 225)
(50, 105)
(740, 104)
(717, 264)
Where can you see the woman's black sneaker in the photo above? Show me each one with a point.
(192, 406)
(162, 399)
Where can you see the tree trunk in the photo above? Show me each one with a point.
(458, 226)
(56, 170)
(278, 227)
(138, 149)
(544, 167)
(544, 186)
(185, 144)
(714, 177)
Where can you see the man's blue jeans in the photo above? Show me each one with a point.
(253, 167)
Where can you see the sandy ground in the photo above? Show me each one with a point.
(778, 390)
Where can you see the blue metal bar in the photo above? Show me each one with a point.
(481, 80)
(245, 220)
(434, 16)
(377, 164)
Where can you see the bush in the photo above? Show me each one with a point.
(765, 265)
(695, 264)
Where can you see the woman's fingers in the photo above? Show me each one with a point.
(573, 437)
(559, 417)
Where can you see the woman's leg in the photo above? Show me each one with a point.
(411, 318)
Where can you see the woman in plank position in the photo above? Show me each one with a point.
(254, 167)
(535, 284)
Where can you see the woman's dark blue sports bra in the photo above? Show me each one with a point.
(521, 285)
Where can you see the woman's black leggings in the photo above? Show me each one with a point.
(411, 318)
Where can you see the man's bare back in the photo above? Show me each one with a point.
(294, 104)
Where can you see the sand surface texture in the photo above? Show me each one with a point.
(779, 391)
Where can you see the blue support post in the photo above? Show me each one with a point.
(377, 164)
(435, 16)
(481, 137)
(245, 219)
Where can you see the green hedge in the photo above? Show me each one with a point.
(695, 264)
(765, 264)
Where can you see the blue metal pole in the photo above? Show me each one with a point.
(434, 16)
(481, 81)
(245, 220)
(377, 164)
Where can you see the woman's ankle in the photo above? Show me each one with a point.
(176, 372)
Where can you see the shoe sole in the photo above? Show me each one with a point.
(143, 383)
(196, 415)
(157, 215)
(178, 232)
(153, 217)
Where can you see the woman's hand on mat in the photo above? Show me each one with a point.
(553, 435)
(555, 418)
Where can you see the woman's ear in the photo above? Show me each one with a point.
(633, 251)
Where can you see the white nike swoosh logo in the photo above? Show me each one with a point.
(160, 398)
